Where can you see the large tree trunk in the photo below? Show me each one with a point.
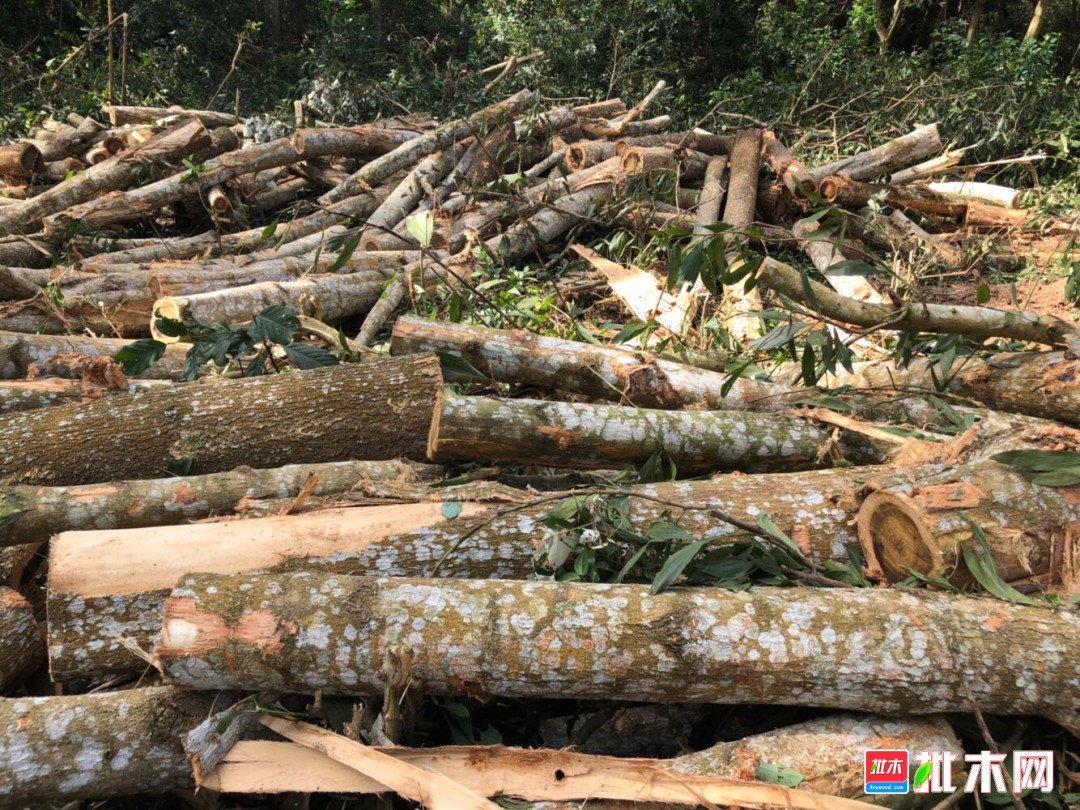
(90, 636)
(598, 436)
(98, 746)
(375, 410)
(595, 370)
(891, 155)
(22, 644)
(906, 652)
(115, 173)
(907, 525)
(30, 514)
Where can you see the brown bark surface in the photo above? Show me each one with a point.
(375, 410)
(22, 644)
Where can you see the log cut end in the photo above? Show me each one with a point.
(170, 308)
(894, 536)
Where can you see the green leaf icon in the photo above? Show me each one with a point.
(921, 774)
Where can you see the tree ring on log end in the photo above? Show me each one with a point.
(894, 537)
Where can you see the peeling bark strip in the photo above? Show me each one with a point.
(22, 644)
(859, 649)
(97, 746)
(980, 322)
(85, 630)
(921, 526)
(828, 752)
(584, 436)
(115, 173)
(375, 410)
(30, 514)
(891, 155)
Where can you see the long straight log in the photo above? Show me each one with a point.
(22, 645)
(891, 155)
(601, 436)
(917, 317)
(967, 190)
(30, 514)
(378, 170)
(851, 193)
(91, 636)
(375, 410)
(922, 526)
(122, 115)
(739, 211)
(904, 652)
(98, 746)
(115, 173)
(713, 189)
(58, 355)
(25, 395)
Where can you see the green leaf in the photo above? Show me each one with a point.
(277, 324)
(421, 226)
(458, 367)
(922, 774)
(674, 566)
(345, 254)
(1038, 460)
(982, 293)
(852, 267)
(776, 774)
(585, 334)
(137, 357)
(766, 525)
(307, 355)
(270, 229)
(665, 530)
(170, 327)
(179, 466)
(565, 509)
(982, 568)
(451, 509)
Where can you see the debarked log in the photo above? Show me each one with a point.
(98, 746)
(377, 410)
(30, 514)
(896, 651)
(598, 436)
(22, 644)
(92, 637)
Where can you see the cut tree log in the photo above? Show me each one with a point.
(377, 171)
(92, 637)
(581, 436)
(31, 514)
(713, 189)
(890, 156)
(824, 254)
(19, 251)
(25, 395)
(61, 356)
(603, 372)
(829, 753)
(123, 115)
(98, 746)
(376, 410)
(22, 644)
(115, 173)
(967, 190)
(924, 526)
(20, 160)
(788, 168)
(981, 322)
(928, 168)
(739, 212)
(897, 230)
(907, 652)
(853, 194)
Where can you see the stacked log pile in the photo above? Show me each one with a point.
(240, 468)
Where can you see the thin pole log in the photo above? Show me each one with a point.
(712, 196)
(121, 115)
(824, 254)
(22, 644)
(91, 637)
(853, 194)
(891, 155)
(739, 211)
(325, 414)
(599, 436)
(966, 190)
(904, 652)
(98, 746)
(29, 514)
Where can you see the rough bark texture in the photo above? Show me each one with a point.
(788, 168)
(853, 194)
(860, 649)
(376, 410)
(891, 155)
(97, 746)
(25, 395)
(603, 372)
(85, 630)
(907, 525)
(712, 195)
(30, 514)
(20, 160)
(58, 355)
(116, 173)
(22, 645)
(600, 436)
(739, 211)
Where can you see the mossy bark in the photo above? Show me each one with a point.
(97, 746)
(85, 630)
(376, 410)
(22, 643)
(600, 436)
(893, 651)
